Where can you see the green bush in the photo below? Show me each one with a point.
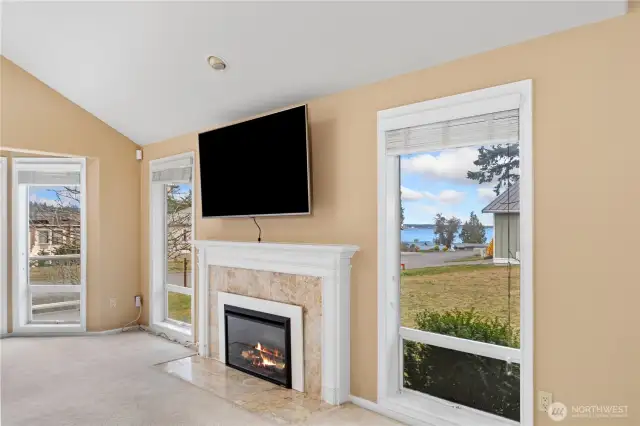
(479, 382)
(436, 247)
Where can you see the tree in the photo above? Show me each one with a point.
(453, 226)
(59, 220)
(445, 230)
(473, 231)
(401, 216)
(179, 229)
(497, 162)
(439, 230)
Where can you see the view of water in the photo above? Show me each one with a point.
(425, 236)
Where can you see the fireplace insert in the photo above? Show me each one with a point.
(258, 344)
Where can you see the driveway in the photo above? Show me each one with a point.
(421, 260)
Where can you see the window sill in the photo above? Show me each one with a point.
(182, 334)
(49, 329)
(427, 410)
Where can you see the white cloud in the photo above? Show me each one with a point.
(407, 194)
(35, 199)
(447, 196)
(486, 194)
(450, 164)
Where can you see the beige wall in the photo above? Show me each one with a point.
(35, 117)
(586, 149)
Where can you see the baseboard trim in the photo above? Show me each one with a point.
(69, 333)
(377, 408)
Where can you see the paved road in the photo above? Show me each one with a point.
(177, 278)
(421, 260)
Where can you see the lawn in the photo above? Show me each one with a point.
(484, 288)
(179, 306)
(177, 265)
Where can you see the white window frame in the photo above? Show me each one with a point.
(158, 288)
(392, 398)
(4, 176)
(20, 230)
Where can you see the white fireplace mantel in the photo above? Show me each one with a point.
(332, 263)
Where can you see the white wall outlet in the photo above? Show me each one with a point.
(113, 302)
(545, 399)
(138, 300)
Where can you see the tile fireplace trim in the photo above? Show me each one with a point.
(332, 263)
(293, 312)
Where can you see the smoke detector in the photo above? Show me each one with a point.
(216, 63)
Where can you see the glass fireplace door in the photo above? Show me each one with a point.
(258, 344)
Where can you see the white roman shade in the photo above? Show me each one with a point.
(48, 172)
(173, 170)
(48, 178)
(494, 128)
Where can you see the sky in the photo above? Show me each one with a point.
(436, 182)
(46, 195)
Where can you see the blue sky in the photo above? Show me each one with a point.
(44, 194)
(436, 182)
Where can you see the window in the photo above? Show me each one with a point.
(178, 249)
(455, 300)
(57, 236)
(43, 237)
(49, 225)
(172, 255)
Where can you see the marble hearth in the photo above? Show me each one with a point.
(312, 277)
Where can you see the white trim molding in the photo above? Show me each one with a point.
(21, 289)
(332, 263)
(410, 406)
(293, 312)
(4, 176)
(158, 287)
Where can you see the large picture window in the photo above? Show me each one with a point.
(455, 300)
(50, 249)
(172, 257)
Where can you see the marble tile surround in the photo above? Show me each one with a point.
(300, 290)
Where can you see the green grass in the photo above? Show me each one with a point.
(484, 288)
(177, 265)
(465, 259)
(179, 307)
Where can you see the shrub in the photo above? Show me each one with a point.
(436, 247)
(489, 252)
(445, 249)
(479, 382)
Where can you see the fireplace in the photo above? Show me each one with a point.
(259, 344)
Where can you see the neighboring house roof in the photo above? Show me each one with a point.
(507, 202)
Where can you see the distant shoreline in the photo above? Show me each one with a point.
(428, 226)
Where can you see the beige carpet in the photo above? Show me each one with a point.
(104, 380)
(110, 380)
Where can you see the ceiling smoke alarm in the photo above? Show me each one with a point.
(216, 63)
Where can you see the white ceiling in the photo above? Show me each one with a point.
(141, 67)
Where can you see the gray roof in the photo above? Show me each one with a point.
(507, 202)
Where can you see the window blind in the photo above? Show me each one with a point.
(32, 177)
(172, 171)
(495, 128)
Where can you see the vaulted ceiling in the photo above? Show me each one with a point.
(141, 67)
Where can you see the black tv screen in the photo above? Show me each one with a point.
(258, 167)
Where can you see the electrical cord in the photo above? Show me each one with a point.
(134, 321)
(259, 229)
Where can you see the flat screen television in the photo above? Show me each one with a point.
(258, 167)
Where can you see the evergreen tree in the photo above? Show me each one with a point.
(473, 231)
(497, 162)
